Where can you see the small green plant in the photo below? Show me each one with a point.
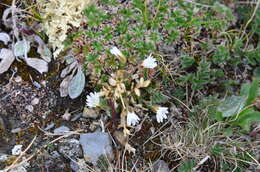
(187, 166)
(240, 109)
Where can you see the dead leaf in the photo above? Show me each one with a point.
(64, 85)
(137, 92)
(68, 69)
(7, 57)
(21, 48)
(42, 49)
(119, 136)
(38, 64)
(4, 37)
(129, 148)
(77, 84)
(11, 21)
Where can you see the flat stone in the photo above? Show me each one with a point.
(61, 130)
(96, 145)
(160, 166)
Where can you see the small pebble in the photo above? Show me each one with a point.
(61, 130)
(18, 79)
(36, 84)
(35, 101)
(29, 108)
(16, 130)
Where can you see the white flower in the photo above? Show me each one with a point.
(115, 51)
(149, 62)
(161, 114)
(132, 119)
(17, 150)
(93, 100)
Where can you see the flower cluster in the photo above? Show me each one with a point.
(127, 87)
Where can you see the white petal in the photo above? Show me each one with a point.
(115, 51)
(93, 100)
(161, 114)
(149, 62)
(132, 119)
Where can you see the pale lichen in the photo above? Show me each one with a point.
(58, 17)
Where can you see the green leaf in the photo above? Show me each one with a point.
(157, 97)
(21, 48)
(228, 132)
(216, 150)
(187, 62)
(252, 92)
(231, 105)
(187, 166)
(77, 84)
(218, 116)
(221, 54)
(246, 118)
(256, 72)
(244, 91)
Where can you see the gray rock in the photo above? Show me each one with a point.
(96, 145)
(61, 130)
(70, 148)
(160, 166)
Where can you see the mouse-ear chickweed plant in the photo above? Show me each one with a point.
(124, 87)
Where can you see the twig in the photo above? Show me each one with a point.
(250, 20)
(181, 102)
(201, 162)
